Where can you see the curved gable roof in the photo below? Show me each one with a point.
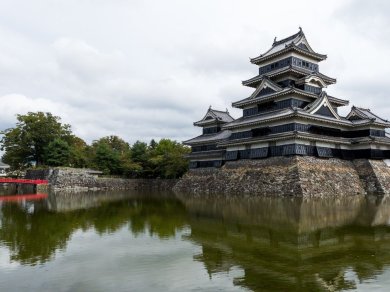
(364, 114)
(215, 116)
(266, 83)
(296, 41)
(319, 103)
(313, 77)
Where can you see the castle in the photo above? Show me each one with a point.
(289, 113)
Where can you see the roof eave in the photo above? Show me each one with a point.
(261, 58)
(264, 98)
(338, 103)
(189, 143)
(207, 122)
(297, 114)
(253, 82)
(285, 136)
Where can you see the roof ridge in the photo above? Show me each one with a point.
(359, 109)
(337, 98)
(214, 110)
(371, 113)
(284, 91)
(289, 38)
(362, 108)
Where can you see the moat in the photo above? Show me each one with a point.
(127, 241)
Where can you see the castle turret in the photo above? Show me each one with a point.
(204, 147)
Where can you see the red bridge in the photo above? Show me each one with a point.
(30, 197)
(24, 181)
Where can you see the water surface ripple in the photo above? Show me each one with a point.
(122, 241)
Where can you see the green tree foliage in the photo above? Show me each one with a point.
(140, 154)
(42, 138)
(26, 143)
(164, 159)
(105, 157)
(79, 151)
(112, 155)
(152, 144)
(168, 159)
(58, 153)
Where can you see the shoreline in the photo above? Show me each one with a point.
(84, 180)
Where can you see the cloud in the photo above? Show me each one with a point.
(84, 62)
(370, 19)
(14, 103)
(148, 69)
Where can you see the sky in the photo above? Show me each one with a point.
(143, 69)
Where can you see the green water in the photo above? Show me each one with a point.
(161, 242)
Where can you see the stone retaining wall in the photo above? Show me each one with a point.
(299, 176)
(80, 180)
(375, 175)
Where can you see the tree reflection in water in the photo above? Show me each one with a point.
(34, 231)
(281, 244)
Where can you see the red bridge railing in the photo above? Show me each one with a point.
(29, 197)
(24, 181)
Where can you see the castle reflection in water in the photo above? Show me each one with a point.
(280, 243)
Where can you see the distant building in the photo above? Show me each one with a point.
(3, 168)
(289, 113)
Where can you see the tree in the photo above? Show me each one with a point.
(139, 152)
(168, 159)
(116, 143)
(152, 144)
(79, 152)
(104, 158)
(112, 155)
(58, 153)
(26, 143)
(140, 155)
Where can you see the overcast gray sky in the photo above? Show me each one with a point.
(148, 69)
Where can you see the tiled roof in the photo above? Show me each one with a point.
(223, 116)
(299, 70)
(303, 135)
(259, 118)
(290, 42)
(313, 76)
(338, 101)
(215, 116)
(284, 91)
(261, 98)
(369, 115)
(209, 137)
(290, 112)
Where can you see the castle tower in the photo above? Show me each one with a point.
(290, 113)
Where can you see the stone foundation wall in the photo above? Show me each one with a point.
(72, 179)
(328, 177)
(375, 175)
(298, 176)
(273, 175)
